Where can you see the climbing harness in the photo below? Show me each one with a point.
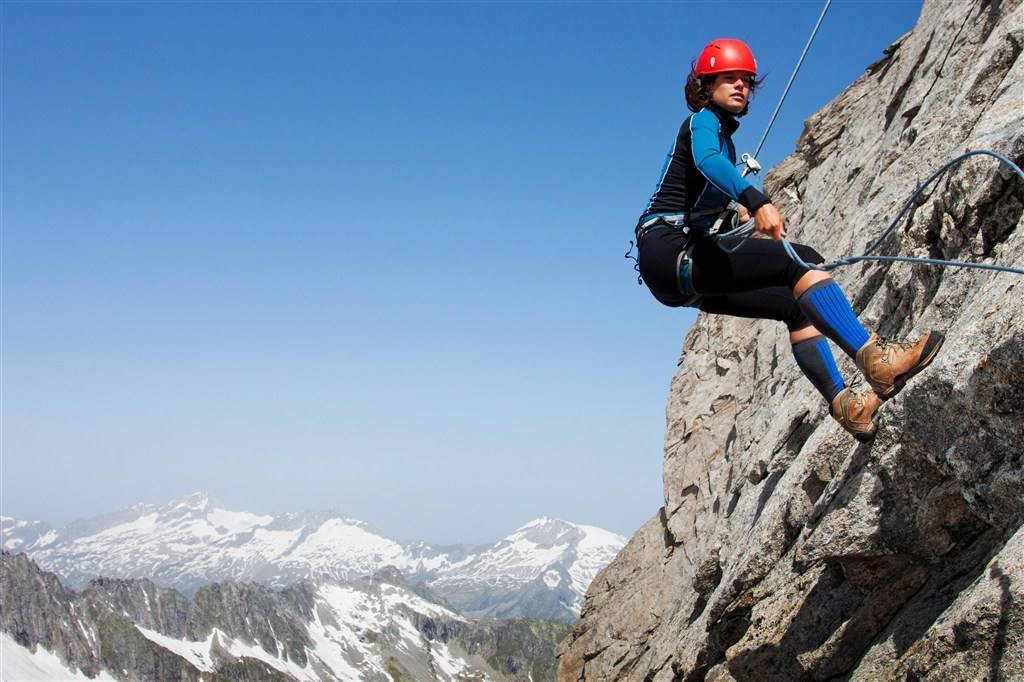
(673, 220)
(684, 276)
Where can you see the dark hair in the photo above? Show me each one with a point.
(698, 90)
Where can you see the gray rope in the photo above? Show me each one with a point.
(744, 232)
(792, 78)
(745, 229)
(748, 227)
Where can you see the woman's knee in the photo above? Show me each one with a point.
(795, 318)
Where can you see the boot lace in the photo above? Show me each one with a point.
(888, 348)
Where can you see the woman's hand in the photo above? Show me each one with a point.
(742, 214)
(768, 220)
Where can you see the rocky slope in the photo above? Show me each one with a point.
(784, 550)
(371, 629)
(541, 570)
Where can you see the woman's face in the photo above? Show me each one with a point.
(731, 90)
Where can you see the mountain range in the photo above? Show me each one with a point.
(540, 570)
(372, 628)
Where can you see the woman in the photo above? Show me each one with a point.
(683, 266)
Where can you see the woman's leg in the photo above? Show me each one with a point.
(814, 356)
(886, 365)
(854, 411)
(659, 264)
(810, 349)
(756, 264)
(762, 263)
(824, 302)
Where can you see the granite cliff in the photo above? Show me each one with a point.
(784, 549)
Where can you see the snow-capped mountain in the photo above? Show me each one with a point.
(19, 534)
(546, 564)
(541, 570)
(191, 542)
(374, 628)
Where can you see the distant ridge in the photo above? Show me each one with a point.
(540, 570)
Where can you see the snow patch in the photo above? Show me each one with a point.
(236, 522)
(19, 663)
(540, 521)
(199, 653)
(140, 526)
(241, 649)
(196, 653)
(599, 538)
(451, 665)
(552, 579)
(595, 550)
(47, 538)
(270, 544)
(331, 645)
(394, 596)
(365, 551)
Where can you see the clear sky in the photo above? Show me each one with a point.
(354, 256)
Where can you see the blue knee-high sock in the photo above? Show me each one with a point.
(827, 307)
(815, 359)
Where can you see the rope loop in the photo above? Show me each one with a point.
(743, 232)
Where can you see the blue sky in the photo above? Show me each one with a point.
(364, 257)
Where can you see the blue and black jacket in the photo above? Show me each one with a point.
(700, 176)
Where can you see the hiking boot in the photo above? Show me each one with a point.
(888, 365)
(855, 412)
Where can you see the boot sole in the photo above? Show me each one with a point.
(868, 436)
(931, 349)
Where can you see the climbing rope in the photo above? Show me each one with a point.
(743, 232)
(792, 78)
(750, 160)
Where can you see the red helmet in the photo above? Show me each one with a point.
(726, 54)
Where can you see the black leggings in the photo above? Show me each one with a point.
(756, 281)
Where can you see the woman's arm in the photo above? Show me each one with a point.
(716, 166)
(720, 172)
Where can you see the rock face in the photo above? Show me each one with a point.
(785, 550)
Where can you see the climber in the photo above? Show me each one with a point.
(683, 265)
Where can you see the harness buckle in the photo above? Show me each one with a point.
(684, 277)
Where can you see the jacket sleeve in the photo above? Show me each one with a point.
(716, 166)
